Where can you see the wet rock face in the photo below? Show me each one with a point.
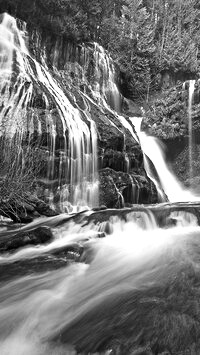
(180, 164)
(118, 189)
(117, 149)
(71, 120)
(88, 65)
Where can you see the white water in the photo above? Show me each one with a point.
(170, 184)
(136, 256)
(103, 80)
(137, 121)
(190, 98)
(20, 76)
(154, 150)
(103, 85)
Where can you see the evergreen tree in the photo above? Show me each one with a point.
(145, 37)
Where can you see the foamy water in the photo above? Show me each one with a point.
(37, 308)
(154, 149)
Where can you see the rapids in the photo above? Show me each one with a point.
(122, 286)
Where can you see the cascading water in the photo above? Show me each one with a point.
(99, 67)
(137, 121)
(20, 75)
(190, 99)
(107, 88)
(153, 149)
(104, 87)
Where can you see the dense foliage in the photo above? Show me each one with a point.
(145, 37)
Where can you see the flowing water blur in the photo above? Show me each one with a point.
(46, 312)
(190, 145)
(21, 77)
(154, 149)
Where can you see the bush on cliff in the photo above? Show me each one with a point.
(166, 115)
(19, 168)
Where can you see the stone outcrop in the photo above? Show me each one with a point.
(24, 211)
(118, 188)
(40, 235)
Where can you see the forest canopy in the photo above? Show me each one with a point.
(145, 37)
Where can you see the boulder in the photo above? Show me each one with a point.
(25, 211)
(118, 188)
(40, 235)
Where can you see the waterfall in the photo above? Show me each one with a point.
(21, 75)
(99, 68)
(106, 85)
(153, 149)
(114, 281)
(137, 121)
(190, 98)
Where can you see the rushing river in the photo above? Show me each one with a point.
(136, 288)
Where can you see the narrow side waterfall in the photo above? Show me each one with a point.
(107, 88)
(190, 99)
(137, 121)
(100, 69)
(73, 134)
(154, 150)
